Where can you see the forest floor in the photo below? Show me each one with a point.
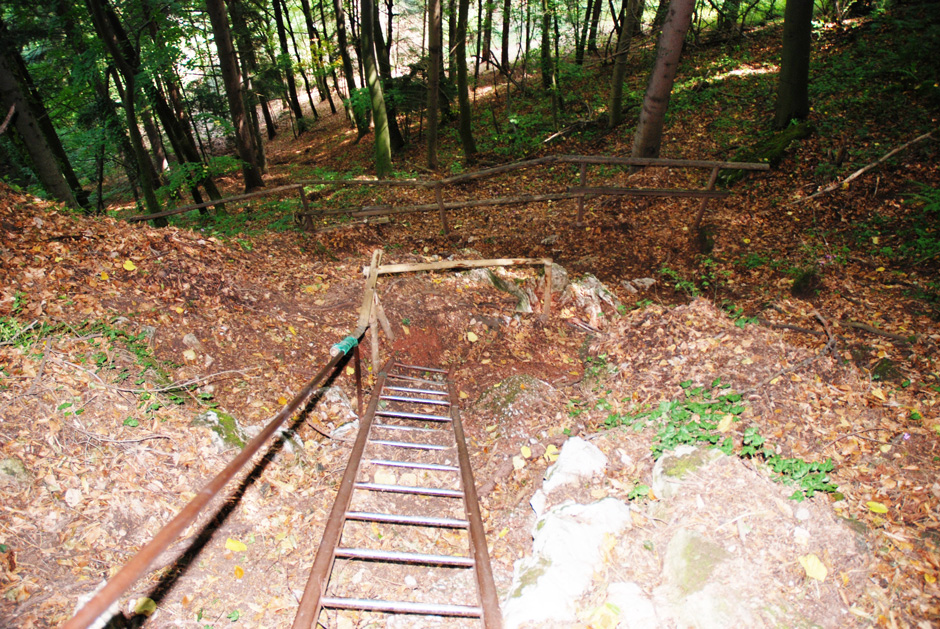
(804, 305)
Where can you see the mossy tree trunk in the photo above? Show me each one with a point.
(383, 146)
(793, 86)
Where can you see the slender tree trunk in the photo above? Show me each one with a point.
(155, 139)
(330, 57)
(313, 37)
(649, 132)
(284, 62)
(463, 92)
(595, 20)
(385, 74)
(547, 65)
(244, 140)
(728, 20)
(383, 147)
(615, 103)
(793, 86)
(434, 78)
(582, 41)
(300, 66)
(126, 60)
(662, 9)
(504, 39)
(490, 7)
(452, 12)
(360, 117)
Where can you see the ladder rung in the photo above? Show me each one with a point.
(421, 416)
(395, 518)
(407, 489)
(409, 444)
(398, 556)
(397, 376)
(418, 368)
(402, 607)
(410, 390)
(411, 428)
(436, 467)
(414, 400)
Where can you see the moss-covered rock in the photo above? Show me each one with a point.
(226, 430)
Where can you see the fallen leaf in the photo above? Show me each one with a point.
(876, 507)
(464, 395)
(518, 462)
(526, 451)
(551, 452)
(725, 424)
(235, 546)
(878, 393)
(104, 275)
(814, 567)
(129, 266)
(189, 354)
(239, 572)
(145, 606)
(178, 310)
(291, 329)
(473, 338)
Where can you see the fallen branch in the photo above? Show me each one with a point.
(861, 171)
(872, 330)
(92, 435)
(180, 385)
(6, 121)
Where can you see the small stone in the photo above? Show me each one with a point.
(190, 340)
(12, 470)
(802, 514)
(579, 460)
(411, 582)
(73, 497)
(384, 477)
(801, 535)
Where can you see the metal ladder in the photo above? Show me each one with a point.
(409, 476)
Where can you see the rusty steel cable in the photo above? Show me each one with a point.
(423, 393)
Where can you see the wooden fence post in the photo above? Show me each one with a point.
(701, 211)
(583, 184)
(439, 197)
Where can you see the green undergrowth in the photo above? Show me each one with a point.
(121, 358)
(708, 415)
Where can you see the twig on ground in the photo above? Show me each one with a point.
(857, 433)
(861, 171)
(874, 330)
(18, 334)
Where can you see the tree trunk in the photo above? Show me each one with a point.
(662, 9)
(595, 20)
(504, 40)
(793, 86)
(615, 103)
(546, 52)
(582, 41)
(463, 92)
(315, 54)
(284, 62)
(41, 118)
(127, 61)
(728, 20)
(452, 11)
(385, 74)
(361, 120)
(383, 147)
(244, 139)
(44, 163)
(649, 130)
(490, 7)
(434, 78)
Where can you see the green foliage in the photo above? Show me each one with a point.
(706, 415)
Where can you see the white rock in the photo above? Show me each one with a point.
(802, 514)
(538, 502)
(636, 609)
(566, 552)
(579, 460)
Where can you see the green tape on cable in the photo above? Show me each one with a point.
(346, 344)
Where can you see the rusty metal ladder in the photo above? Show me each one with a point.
(408, 439)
